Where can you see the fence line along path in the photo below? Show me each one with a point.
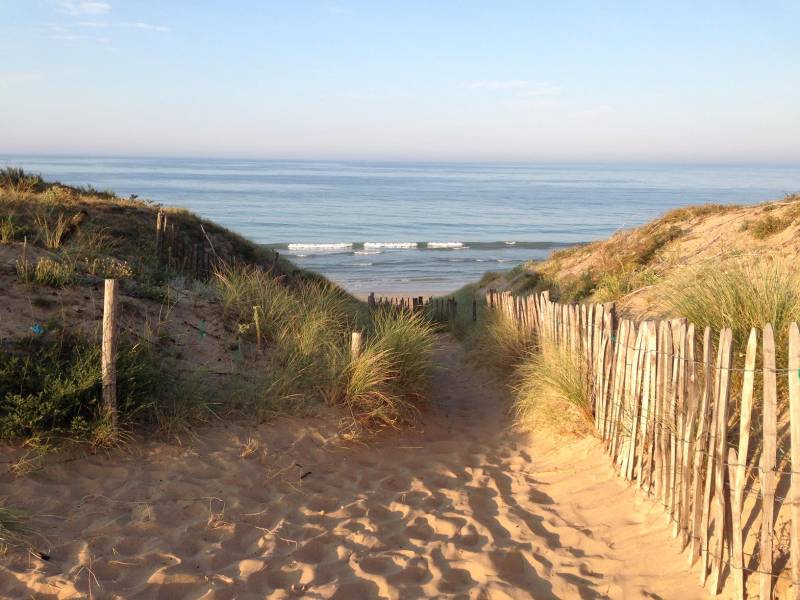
(689, 427)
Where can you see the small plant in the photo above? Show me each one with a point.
(55, 273)
(52, 229)
(8, 229)
(109, 268)
(768, 225)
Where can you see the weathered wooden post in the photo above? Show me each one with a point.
(355, 345)
(371, 300)
(474, 310)
(109, 350)
(257, 323)
(159, 233)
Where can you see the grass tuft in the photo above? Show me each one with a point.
(552, 387)
(739, 293)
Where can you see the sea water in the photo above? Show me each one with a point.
(416, 227)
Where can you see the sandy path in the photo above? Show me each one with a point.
(465, 509)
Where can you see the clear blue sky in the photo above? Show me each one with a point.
(697, 81)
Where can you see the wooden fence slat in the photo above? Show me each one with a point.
(679, 398)
(701, 443)
(646, 429)
(634, 386)
(768, 460)
(688, 433)
(737, 465)
(794, 426)
(666, 413)
(709, 483)
(721, 457)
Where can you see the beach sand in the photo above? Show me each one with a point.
(462, 507)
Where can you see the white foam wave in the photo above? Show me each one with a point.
(390, 244)
(445, 244)
(511, 243)
(367, 252)
(363, 264)
(341, 246)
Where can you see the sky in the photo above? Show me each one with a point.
(517, 81)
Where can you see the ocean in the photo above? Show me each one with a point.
(416, 227)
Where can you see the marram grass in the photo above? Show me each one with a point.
(552, 389)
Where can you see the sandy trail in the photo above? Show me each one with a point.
(464, 509)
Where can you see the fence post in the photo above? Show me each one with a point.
(109, 350)
(768, 458)
(355, 345)
(159, 233)
(794, 425)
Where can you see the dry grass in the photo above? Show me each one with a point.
(737, 292)
(552, 388)
(499, 342)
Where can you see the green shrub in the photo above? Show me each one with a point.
(53, 387)
(50, 272)
(552, 386)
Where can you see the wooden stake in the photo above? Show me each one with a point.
(794, 425)
(701, 443)
(737, 462)
(721, 456)
(109, 350)
(768, 459)
(355, 344)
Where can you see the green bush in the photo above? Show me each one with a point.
(54, 387)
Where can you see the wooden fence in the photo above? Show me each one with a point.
(665, 408)
(437, 309)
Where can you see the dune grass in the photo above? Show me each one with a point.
(499, 343)
(302, 332)
(552, 388)
(387, 383)
(740, 293)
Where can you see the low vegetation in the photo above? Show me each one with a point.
(740, 293)
(282, 341)
(551, 388)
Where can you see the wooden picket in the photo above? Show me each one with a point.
(662, 408)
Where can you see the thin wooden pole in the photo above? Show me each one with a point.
(689, 428)
(721, 456)
(355, 344)
(701, 443)
(737, 466)
(109, 350)
(794, 426)
(768, 459)
(709, 483)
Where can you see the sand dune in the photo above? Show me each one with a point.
(464, 509)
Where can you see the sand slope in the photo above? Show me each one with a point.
(465, 509)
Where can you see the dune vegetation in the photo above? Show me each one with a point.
(252, 337)
(716, 265)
